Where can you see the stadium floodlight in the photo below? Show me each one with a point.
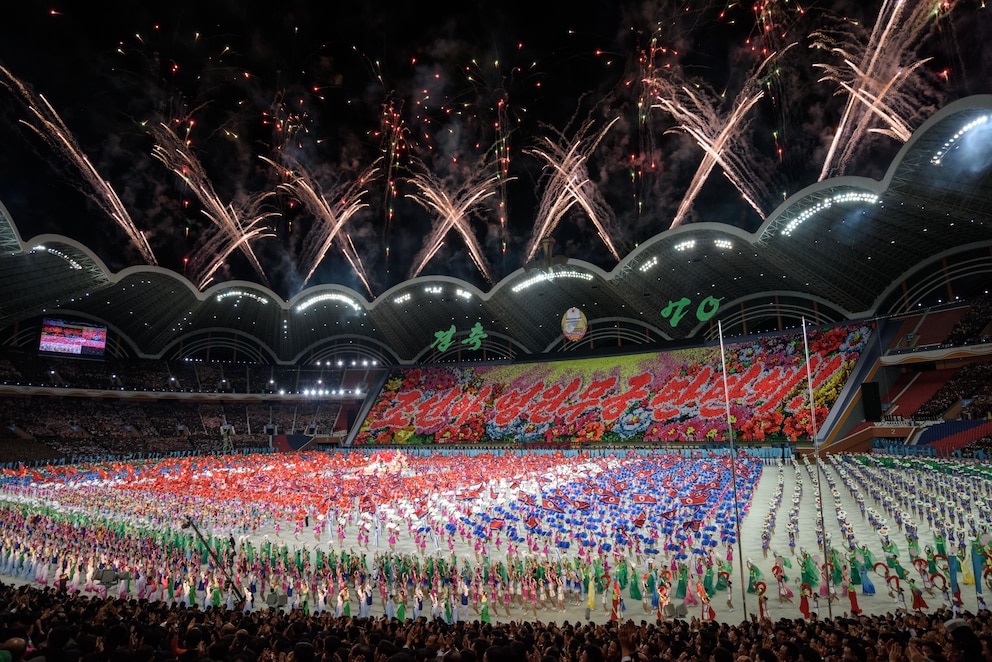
(827, 203)
(403, 298)
(433, 289)
(956, 138)
(650, 264)
(464, 294)
(683, 246)
(723, 244)
(57, 253)
(328, 296)
(242, 294)
(543, 277)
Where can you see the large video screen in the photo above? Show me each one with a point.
(72, 338)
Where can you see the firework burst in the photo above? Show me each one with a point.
(493, 82)
(392, 136)
(698, 112)
(567, 184)
(454, 207)
(236, 225)
(879, 74)
(331, 209)
(48, 125)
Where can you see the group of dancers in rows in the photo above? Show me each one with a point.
(941, 568)
(78, 550)
(79, 553)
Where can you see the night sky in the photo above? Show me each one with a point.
(371, 102)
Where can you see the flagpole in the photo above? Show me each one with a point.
(733, 470)
(819, 469)
(189, 523)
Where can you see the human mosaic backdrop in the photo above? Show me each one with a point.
(672, 395)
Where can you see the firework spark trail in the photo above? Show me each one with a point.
(53, 131)
(240, 224)
(568, 184)
(493, 82)
(355, 260)
(503, 166)
(212, 254)
(704, 128)
(879, 77)
(454, 208)
(893, 125)
(720, 136)
(392, 133)
(774, 22)
(332, 210)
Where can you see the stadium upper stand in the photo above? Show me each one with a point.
(641, 398)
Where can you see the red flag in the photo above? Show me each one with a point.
(620, 487)
(581, 505)
(526, 498)
(640, 519)
(644, 498)
(531, 522)
(496, 524)
(611, 499)
(670, 514)
(552, 505)
(693, 500)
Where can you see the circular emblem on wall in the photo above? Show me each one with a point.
(573, 324)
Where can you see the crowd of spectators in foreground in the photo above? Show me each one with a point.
(49, 626)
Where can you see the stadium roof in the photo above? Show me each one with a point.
(843, 248)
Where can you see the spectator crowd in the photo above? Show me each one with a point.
(51, 626)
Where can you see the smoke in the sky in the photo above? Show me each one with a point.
(716, 112)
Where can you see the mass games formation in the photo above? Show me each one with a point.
(501, 536)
